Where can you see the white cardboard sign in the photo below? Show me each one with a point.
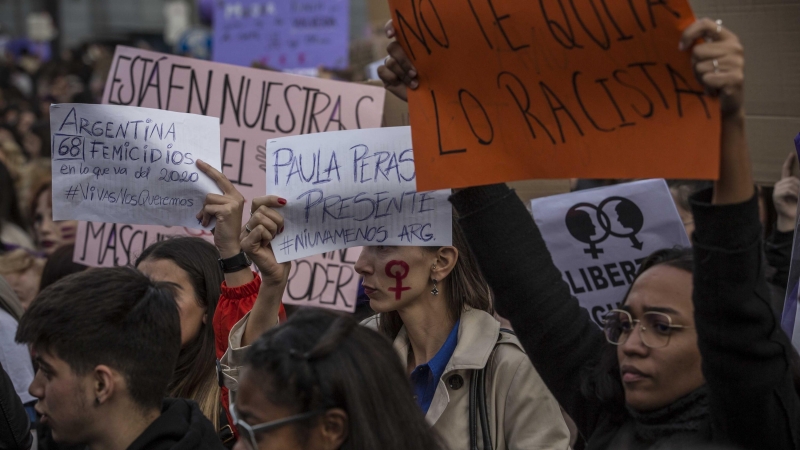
(598, 238)
(131, 165)
(352, 188)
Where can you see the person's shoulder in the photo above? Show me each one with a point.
(371, 322)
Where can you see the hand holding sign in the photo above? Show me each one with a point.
(718, 63)
(397, 72)
(226, 209)
(786, 194)
(264, 224)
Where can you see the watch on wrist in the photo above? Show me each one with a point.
(235, 263)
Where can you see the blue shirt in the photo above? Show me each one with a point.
(426, 377)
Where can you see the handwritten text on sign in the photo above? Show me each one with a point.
(351, 188)
(100, 244)
(599, 237)
(282, 34)
(130, 165)
(253, 105)
(515, 90)
(327, 281)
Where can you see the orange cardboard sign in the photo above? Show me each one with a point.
(513, 90)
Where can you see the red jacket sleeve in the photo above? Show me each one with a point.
(233, 304)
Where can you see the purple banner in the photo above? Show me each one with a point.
(282, 34)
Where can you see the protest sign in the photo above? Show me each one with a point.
(790, 319)
(99, 244)
(131, 165)
(253, 105)
(350, 188)
(514, 90)
(599, 237)
(282, 34)
(327, 281)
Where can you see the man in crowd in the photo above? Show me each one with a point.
(106, 342)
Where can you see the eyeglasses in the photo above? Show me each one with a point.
(655, 327)
(248, 432)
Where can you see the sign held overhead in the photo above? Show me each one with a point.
(513, 90)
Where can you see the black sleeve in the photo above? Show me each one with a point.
(15, 426)
(555, 331)
(779, 255)
(746, 355)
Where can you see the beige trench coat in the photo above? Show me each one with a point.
(523, 414)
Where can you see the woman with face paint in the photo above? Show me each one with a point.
(694, 355)
(471, 379)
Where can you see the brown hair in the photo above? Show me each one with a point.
(465, 286)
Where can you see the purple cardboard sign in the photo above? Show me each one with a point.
(282, 34)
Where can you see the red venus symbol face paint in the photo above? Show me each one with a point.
(398, 275)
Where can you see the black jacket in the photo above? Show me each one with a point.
(181, 426)
(15, 426)
(753, 403)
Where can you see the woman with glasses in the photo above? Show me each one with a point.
(694, 355)
(320, 381)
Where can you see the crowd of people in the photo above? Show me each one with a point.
(192, 349)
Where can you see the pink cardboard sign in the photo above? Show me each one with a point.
(327, 281)
(253, 105)
(99, 244)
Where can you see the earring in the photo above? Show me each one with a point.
(435, 290)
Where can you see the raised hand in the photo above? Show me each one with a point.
(397, 72)
(262, 227)
(718, 62)
(786, 194)
(226, 208)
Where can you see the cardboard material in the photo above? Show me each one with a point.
(769, 32)
(614, 100)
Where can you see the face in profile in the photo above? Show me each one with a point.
(65, 399)
(655, 377)
(629, 215)
(192, 312)
(580, 226)
(394, 277)
(51, 234)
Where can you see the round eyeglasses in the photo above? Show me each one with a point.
(655, 327)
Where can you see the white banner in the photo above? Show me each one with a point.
(352, 188)
(131, 165)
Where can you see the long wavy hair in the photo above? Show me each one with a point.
(465, 286)
(195, 373)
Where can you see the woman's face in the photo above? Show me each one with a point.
(51, 234)
(192, 312)
(655, 377)
(395, 277)
(254, 408)
(25, 283)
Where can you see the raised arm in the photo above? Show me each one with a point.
(264, 224)
(746, 356)
(555, 331)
